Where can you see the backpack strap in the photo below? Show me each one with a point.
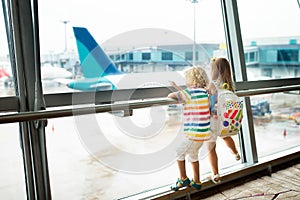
(226, 86)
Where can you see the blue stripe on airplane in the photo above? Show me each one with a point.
(94, 61)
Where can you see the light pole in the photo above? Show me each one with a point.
(65, 23)
(194, 43)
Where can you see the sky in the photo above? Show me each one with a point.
(108, 18)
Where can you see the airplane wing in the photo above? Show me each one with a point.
(101, 86)
(64, 81)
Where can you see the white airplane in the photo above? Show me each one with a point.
(49, 73)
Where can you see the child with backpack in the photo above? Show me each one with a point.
(196, 124)
(226, 113)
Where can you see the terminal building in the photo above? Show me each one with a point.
(85, 115)
(272, 60)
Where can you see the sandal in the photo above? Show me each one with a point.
(214, 178)
(181, 183)
(237, 156)
(195, 185)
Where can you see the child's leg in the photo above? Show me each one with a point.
(183, 181)
(195, 167)
(212, 157)
(182, 170)
(230, 143)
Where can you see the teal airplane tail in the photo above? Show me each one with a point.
(94, 61)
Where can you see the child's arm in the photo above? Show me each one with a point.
(173, 95)
(212, 90)
(173, 84)
(177, 95)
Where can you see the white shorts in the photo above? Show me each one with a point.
(188, 148)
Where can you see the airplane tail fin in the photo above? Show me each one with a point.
(94, 61)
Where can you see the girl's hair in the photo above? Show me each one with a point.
(221, 72)
(196, 77)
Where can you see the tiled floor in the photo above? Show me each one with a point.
(283, 184)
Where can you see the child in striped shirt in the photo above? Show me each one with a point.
(196, 125)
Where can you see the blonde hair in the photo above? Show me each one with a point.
(221, 72)
(196, 77)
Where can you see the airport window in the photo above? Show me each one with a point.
(123, 56)
(252, 56)
(117, 57)
(276, 121)
(6, 76)
(276, 47)
(288, 55)
(86, 172)
(97, 152)
(130, 56)
(188, 56)
(11, 168)
(146, 56)
(166, 56)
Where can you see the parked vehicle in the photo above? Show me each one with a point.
(260, 108)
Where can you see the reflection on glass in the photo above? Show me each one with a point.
(12, 176)
(276, 122)
(271, 38)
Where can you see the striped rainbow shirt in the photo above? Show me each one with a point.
(196, 114)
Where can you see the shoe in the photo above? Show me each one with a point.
(195, 185)
(181, 183)
(214, 178)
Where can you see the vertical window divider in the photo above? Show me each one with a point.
(237, 59)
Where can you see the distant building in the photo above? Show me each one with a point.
(265, 61)
(274, 60)
(163, 57)
(149, 50)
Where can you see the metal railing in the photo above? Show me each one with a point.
(81, 110)
(135, 102)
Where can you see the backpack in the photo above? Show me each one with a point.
(230, 113)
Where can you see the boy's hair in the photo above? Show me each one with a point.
(221, 67)
(197, 77)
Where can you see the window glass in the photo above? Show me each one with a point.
(123, 29)
(288, 55)
(189, 56)
(274, 35)
(6, 80)
(167, 56)
(130, 56)
(73, 59)
(105, 150)
(146, 56)
(276, 122)
(12, 176)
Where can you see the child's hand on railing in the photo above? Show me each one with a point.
(173, 84)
